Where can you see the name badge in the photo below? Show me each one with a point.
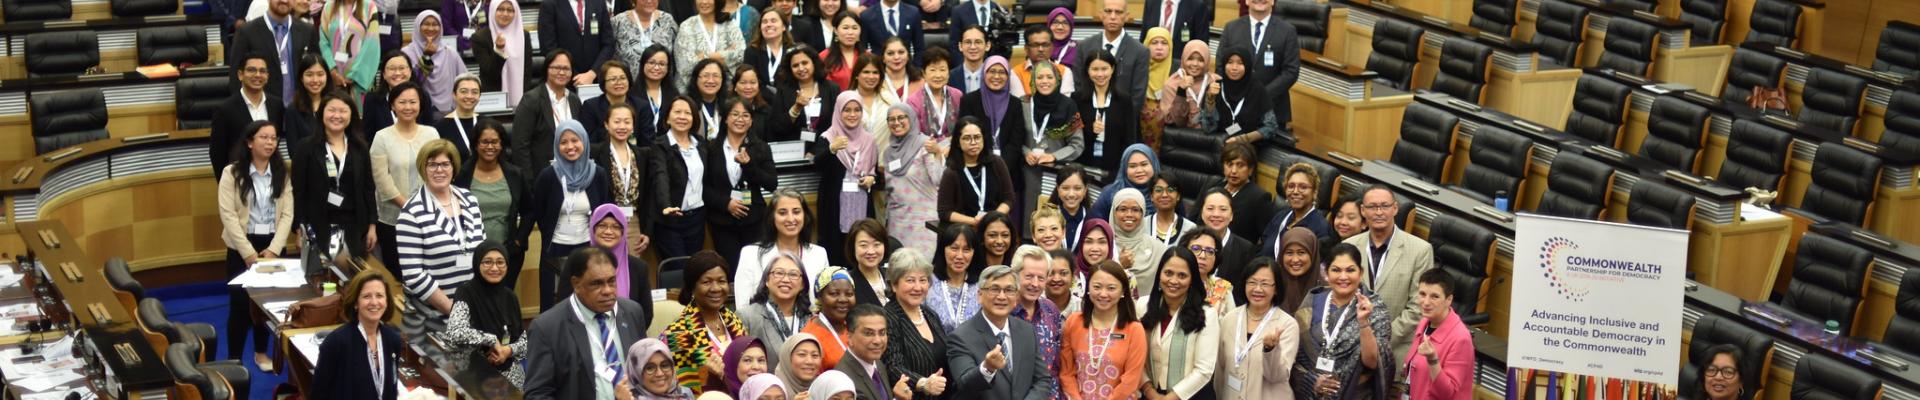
(1324, 364)
(893, 165)
(813, 107)
(627, 211)
(850, 185)
(996, 151)
(535, 40)
(386, 29)
(808, 136)
(463, 263)
(1233, 129)
(1269, 58)
(466, 33)
(340, 56)
(1117, 336)
(608, 374)
(261, 229)
(593, 27)
(336, 199)
(1234, 382)
(744, 197)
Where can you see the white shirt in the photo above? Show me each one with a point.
(890, 16)
(602, 388)
(1006, 346)
(1258, 25)
(255, 110)
(562, 111)
(695, 169)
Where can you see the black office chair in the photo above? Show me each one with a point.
(1465, 68)
(1641, 5)
(1676, 131)
(192, 381)
(1821, 377)
(1577, 187)
(233, 371)
(120, 278)
(1427, 135)
(62, 53)
(196, 99)
(37, 10)
(1629, 47)
(1658, 205)
(176, 45)
(1756, 347)
(1903, 331)
(1396, 52)
(1833, 100)
(1497, 161)
(153, 317)
(1309, 20)
(67, 118)
(1751, 68)
(1708, 17)
(1845, 182)
(142, 8)
(1756, 156)
(1192, 158)
(1899, 49)
(1776, 22)
(1464, 251)
(1829, 282)
(1599, 109)
(1495, 16)
(1559, 31)
(1902, 135)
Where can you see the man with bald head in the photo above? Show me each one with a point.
(1130, 77)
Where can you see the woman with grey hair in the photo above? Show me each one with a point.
(916, 340)
(913, 164)
(781, 304)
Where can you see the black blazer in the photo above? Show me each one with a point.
(648, 124)
(956, 197)
(543, 203)
(643, 159)
(593, 115)
(1123, 128)
(806, 30)
(230, 123)
(757, 175)
(343, 373)
(1278, 79)
(1013, 125)
(297, 125)
(532, 132)
(257, 36)
(559, 30)
(376, 114)
(1192, 21)
(491, 64)
(757, 57)
(560, 356)
(311, 185)
(517, 230)
(874, 26)
(1231, 262)
(464, 133)
(668, 164)
(789, 93)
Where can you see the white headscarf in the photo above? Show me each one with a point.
(830, 383)
(513, 75)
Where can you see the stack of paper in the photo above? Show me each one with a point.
(277, 273)
(48, 368)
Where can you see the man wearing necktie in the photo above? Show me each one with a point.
(973, 13)
(866, 343)
(576, 346)
(996, 356)
(282, 39)
(1185, 19)
(584, 28)
(894, 18)
(1276, 53)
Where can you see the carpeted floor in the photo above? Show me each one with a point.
(207, 302)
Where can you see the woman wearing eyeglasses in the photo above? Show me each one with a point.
(1216, 212)
(486, 315)
(1720, 375)
(1299, 187)
(434, 236)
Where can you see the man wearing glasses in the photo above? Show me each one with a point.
(995, 355)
(253, 103)
(1392, 258)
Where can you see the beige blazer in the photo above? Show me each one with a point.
(1201, 353)
(1263, 375)
(1408, 256)
(233, 216)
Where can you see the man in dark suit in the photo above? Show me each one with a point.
(979, 13)
(893, 18)
(282, 39)
(1185, 19)
(994, 355)
(535, 117)
(872, 379)
(252, 103)
(582, 27)
(1276, 53)
(570, 354)
(966, 72)
(1131, 76)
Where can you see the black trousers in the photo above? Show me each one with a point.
(554, 285)
(388, 255)
(240, 307)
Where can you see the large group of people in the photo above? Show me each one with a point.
(927, 263)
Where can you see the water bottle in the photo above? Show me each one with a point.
(1500, 201)
(1832, 332)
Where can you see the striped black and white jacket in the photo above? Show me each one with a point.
(435, 246)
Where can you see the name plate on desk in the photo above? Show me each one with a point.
(491, 102)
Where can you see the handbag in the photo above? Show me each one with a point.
(318, 311)
(1769, 100)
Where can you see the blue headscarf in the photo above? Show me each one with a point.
(577, 173)
(1102, 206)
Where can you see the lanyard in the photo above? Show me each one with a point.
(713, 38)
(710, 114)
(1288, 222)
(474, 11)
(1073, 238)
(379, 368)
(714, 340)
(336, 166)
(1235, 110)
(463, 129)
(773, 60)
(1039, 132)
(1327, 334)
(1241, 354)
(831, 332)
(979, 187)
(653, 104)
(1375, 271)
(1097, 355)
(459, 229)
(1062, 54)
(792, 324)
(939, 107)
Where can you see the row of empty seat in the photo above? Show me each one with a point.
(78, 52)
(56, 10)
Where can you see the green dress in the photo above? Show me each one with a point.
(496, 203)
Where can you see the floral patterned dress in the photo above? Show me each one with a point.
(692, 343)
(912, 200)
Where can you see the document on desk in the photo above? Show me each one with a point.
(308, 344)
(278, 273)
(1751, 213)
(278, 310)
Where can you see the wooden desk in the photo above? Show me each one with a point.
(76, 275)
(1338, 107)
(93, 190)
(1517, 81)
(136, 106)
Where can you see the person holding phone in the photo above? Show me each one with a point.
(1441, 366)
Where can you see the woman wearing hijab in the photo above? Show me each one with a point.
(763, 387)
(1053, 126)
(1299, 270)
(1184, 95)
(845, 161)
(1060, 26)
(1001, 118)
(562, 199)
(502, 48)
(832, 385)
(1096, 246)
(706, 326)
(745, 358)
(345, 29)
(987, 184)
(799, 365)
(913, 166)
(610, 232)
(1159, 66)
(437, 66)
(1238, 107)
(650, 367)
(1132, 238)
(486, 315)
(1138, 166)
